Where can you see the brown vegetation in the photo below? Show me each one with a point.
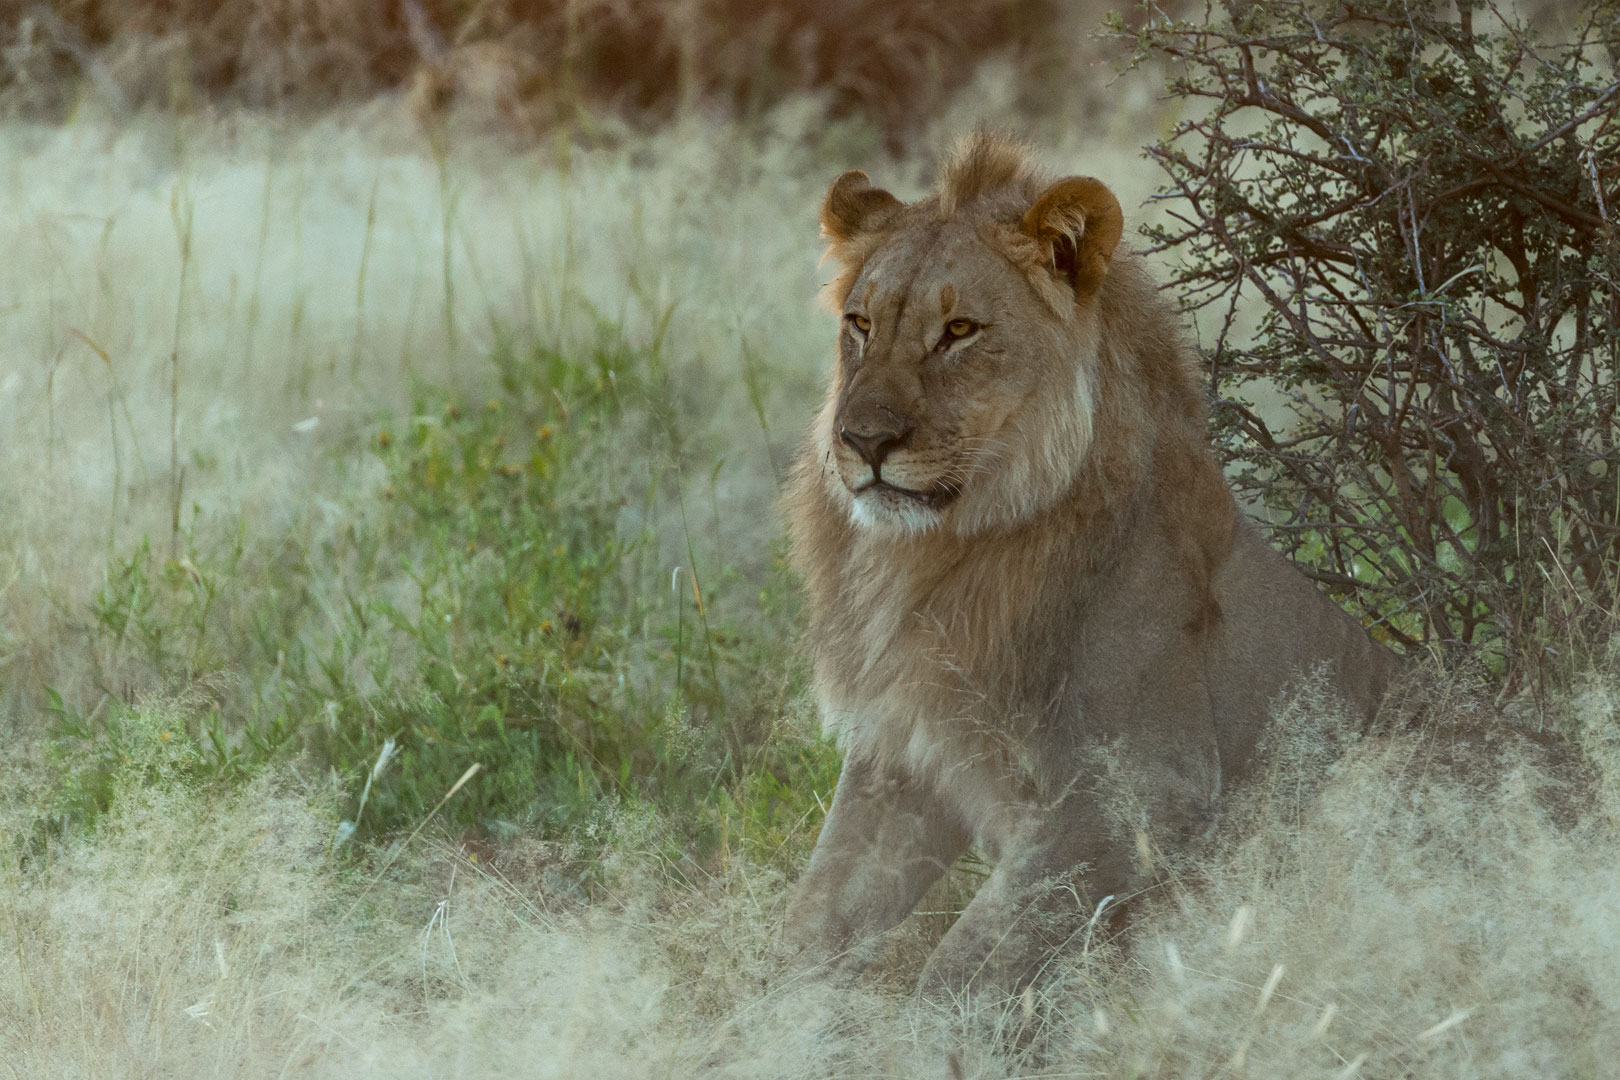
(530, 62)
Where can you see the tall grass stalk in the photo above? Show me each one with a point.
(182, 209)
(440, 143)
(256, 291)
(399, 846)
(750, 365)
(360, 278)
(345, 829)
(692, 576)
(118, 396)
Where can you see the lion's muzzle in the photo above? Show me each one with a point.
(874, 445)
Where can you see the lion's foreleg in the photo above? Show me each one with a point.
(1142, 799)
(1038, 901)
(887, 838)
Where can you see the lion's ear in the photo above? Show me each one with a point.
(853, 206)
(1078, 221)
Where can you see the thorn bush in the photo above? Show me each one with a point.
(1404, 218)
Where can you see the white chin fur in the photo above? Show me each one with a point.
(891, 514)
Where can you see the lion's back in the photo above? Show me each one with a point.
(1276, 627)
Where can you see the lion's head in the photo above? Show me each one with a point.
(964, 396)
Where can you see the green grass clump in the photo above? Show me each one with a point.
(496, 596)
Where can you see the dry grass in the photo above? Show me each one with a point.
(1372, 918)
(1378, 921)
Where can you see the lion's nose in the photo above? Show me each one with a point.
(874, 445)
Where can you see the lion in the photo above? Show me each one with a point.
(1039, 625)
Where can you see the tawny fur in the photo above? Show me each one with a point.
(1051, 636)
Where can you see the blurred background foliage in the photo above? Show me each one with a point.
(533, 63)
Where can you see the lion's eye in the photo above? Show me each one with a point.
(960, 328)
(862, 323)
